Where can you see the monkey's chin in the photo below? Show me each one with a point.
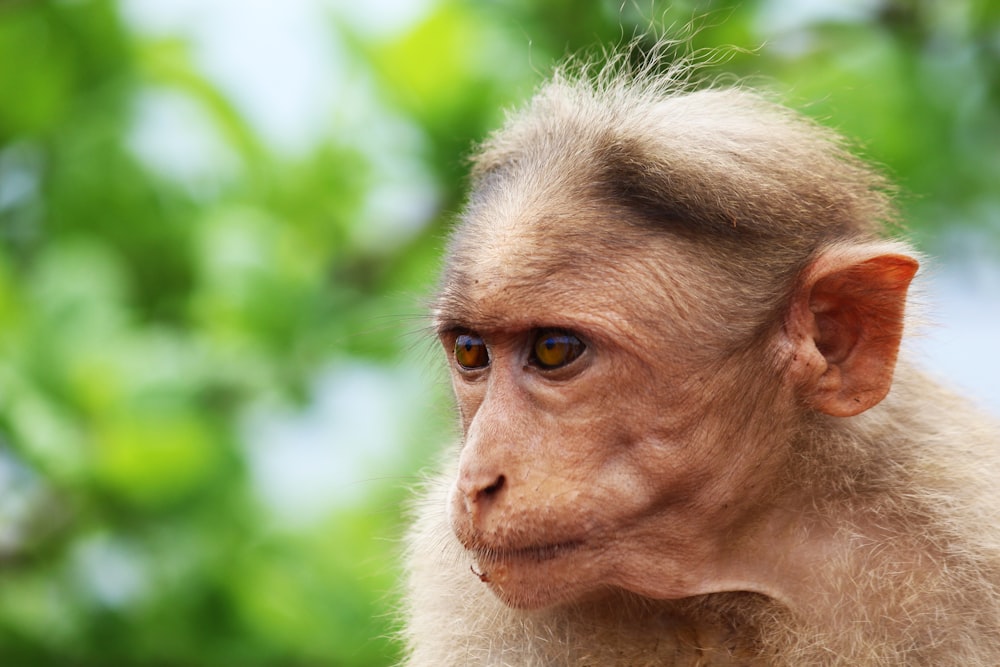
(534, 578)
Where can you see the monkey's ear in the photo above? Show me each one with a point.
(845, 326)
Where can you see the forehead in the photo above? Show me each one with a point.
(574, 266)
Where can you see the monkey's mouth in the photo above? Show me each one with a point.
(487, 556)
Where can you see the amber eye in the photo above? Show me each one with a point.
(554, 349)
(471, 352)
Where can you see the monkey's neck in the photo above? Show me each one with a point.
(823, 531)
(785, 559)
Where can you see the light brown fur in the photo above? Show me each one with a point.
(721, 479)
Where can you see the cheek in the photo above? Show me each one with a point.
(670, 451)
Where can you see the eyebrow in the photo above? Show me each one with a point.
(456, 314)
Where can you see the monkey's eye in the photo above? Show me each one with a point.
(470, 352)
(554, 349)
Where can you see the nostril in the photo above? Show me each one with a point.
(495, 487)
(481, 493)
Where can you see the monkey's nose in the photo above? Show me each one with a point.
(480, 493)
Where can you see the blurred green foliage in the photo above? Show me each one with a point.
(150, 314)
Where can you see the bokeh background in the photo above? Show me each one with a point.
(218, 223)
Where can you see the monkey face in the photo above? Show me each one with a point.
(598, 452)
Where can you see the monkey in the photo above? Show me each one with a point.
(672, 316)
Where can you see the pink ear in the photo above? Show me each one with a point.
(846, 323)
